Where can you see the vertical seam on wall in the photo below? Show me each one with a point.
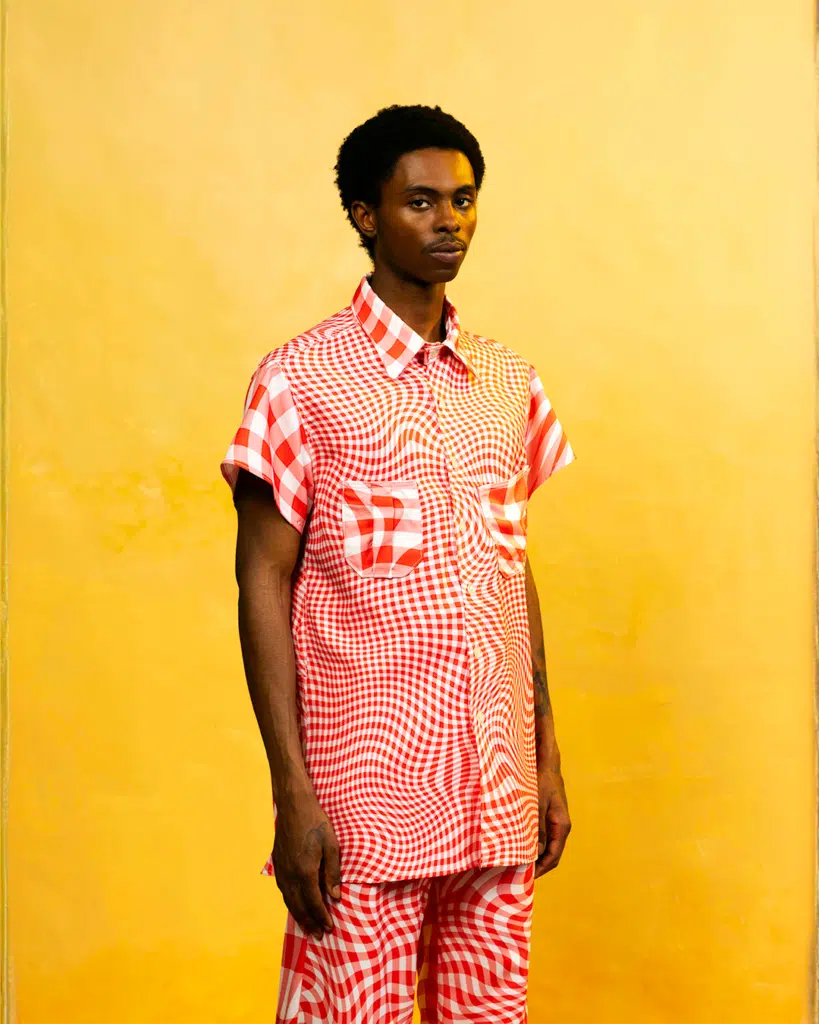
(6, 997)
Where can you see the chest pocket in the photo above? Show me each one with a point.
(381, 526)
(504, 506)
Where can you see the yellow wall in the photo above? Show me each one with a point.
(645, 241)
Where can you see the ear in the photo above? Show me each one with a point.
(365, 218)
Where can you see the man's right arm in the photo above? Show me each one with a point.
(305, 850)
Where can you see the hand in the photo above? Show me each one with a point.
(554, 823)
(306, 862)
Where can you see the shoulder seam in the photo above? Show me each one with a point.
(499, 345)
(285, 352)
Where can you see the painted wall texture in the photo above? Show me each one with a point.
(645, 241)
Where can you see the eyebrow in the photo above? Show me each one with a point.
(435, 192)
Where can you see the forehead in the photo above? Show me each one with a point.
(442, 169)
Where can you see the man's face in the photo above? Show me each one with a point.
(427, 215)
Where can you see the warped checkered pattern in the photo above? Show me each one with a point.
(382, 527)
(504, 506)
(547, 447)
(271, 444)
(408, 468)
(464, 937)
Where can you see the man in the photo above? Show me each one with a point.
(389, 621)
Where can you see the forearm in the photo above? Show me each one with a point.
(269, 660)
(548, 754)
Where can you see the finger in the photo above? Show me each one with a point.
(314, 904)
(545, 864)
(332, 867)
(542, 837)
(554, 851)
(295, 904)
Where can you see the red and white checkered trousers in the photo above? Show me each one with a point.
(465, 936)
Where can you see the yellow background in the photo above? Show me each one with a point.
(645, 241)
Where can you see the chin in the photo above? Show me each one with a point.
(427, 274)
(445, 273)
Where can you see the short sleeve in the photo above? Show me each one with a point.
(547, 447)
(271, 444)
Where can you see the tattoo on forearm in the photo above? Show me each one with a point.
(543, 703)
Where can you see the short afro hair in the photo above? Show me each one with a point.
(367, 157)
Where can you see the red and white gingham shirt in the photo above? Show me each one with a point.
(409, 465)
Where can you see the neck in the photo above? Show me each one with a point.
(419, 304)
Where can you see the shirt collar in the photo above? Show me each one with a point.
(397, 342)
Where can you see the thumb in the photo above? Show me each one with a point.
(332, 867)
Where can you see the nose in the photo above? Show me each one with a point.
(447, 221)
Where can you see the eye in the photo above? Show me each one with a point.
(414, 203)
(466, 200)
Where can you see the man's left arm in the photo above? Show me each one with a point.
(554, 823)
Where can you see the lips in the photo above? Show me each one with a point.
(449, 247)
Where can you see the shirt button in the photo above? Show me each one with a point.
(480, 718)
(470, 590)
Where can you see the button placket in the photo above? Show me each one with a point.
(454, 462)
